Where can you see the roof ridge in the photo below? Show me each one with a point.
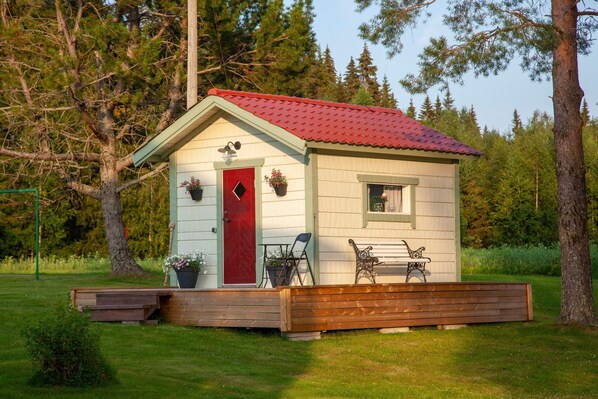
(223, 92)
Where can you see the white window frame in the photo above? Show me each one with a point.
(408, 214)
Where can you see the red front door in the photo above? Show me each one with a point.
(238, 199)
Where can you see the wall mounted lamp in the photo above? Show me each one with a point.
(228, 151)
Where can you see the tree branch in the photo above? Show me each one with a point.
(80, 187)
(87, 118)
(175, 94)
(44, 156)
(142, 178)
(585, 13)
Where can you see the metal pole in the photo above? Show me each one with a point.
(36, 234)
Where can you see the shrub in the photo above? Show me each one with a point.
(65, 351)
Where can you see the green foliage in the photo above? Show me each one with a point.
(362, 97)
(387, 98)
(524, 261)
(426, 113)
(66, 351)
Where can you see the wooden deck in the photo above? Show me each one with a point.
(338, 307)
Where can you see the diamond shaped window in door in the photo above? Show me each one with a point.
(239, 190)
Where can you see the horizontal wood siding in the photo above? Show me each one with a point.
(406, 305)
(340, 217)
(282, 217)
(257, 308)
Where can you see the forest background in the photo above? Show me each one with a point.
(508, 196)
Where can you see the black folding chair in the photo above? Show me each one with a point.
(291, 259)
(298, 253)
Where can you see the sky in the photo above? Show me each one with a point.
(494, 98)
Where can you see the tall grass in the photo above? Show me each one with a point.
(529, 260)
(72, 264)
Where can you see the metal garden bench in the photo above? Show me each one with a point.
(386, 253)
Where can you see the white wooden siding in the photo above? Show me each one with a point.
(282, 217)
(340, 217)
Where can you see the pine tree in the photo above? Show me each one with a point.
(367, 73)
(437, 109)
(473, 117)
(516, 122)
(341, 91)
(387, 98)
(448, 101)
(329, 68)
(426, 112)
(585, 112)
(352, 83)
(293, 49)
(362, 97)
(411, 109)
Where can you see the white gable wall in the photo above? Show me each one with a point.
(340, 217)
(282, 217)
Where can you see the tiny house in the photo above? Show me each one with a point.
(353, 172)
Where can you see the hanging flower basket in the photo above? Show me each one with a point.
(193, 187)
(196, 195)
(278, 182)
(281, 190)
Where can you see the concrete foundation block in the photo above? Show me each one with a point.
(304, 336)
(395, 330)
(451, 326)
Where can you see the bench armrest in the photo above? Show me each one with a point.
(363, 254)
(414, 253)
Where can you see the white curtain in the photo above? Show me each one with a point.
(394, 199)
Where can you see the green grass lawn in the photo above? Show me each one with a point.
(520, 360)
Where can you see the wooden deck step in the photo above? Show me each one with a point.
(130, 298)
(121, 312)
(127, 306)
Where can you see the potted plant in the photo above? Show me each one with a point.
(187, 267)
(193, 187)
(278, 182)
(277, 269)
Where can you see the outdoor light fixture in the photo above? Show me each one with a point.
(228, 151)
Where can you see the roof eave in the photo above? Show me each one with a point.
(159, 148)
(389, 151)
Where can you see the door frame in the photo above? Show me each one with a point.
(256, 164)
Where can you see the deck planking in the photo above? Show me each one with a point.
(339, 307)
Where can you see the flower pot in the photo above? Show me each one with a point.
(278, 275)
(196, 194)
(281, 190)
(187, 277)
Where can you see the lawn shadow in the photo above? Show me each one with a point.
(159, 361)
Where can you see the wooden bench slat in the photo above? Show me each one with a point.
(373, 254)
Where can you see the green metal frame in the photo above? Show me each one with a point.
(31, 190)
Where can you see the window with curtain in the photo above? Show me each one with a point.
(388, 198)
(385, 198)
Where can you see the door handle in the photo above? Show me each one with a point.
(224, 218)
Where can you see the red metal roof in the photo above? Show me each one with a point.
(330, 122)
